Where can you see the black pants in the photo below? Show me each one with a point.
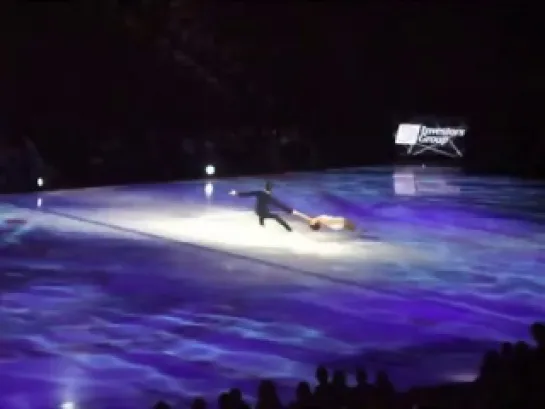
(274, 216)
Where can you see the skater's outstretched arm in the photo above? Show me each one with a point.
(301, 215)
(250, 193)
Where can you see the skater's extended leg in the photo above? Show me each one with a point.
(281, 221)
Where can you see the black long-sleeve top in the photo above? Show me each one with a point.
(264, 201)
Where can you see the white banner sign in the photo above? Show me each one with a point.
(419, 139)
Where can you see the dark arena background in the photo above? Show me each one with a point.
(131, 278)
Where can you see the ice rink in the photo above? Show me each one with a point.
(120, 296)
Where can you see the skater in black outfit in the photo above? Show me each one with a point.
(263, 201)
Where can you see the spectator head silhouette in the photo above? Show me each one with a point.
(383, 382)
(235, 395)
(490, 365)
(198, 403)
(267, 397)
(361, 377)
(522, 349)
(268, 186)
(538, 333)
(161, 405)
(235, 399)
(303, 392)
(339, 379)
(224, 401)
(322, 377)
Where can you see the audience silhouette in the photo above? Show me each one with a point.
(512, 377)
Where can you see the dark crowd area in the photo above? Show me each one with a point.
(511, 377)
(113, 92)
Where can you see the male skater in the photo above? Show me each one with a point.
(263, 201)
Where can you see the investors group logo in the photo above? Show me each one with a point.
(419, 139)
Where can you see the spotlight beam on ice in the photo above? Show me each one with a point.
(201, 247)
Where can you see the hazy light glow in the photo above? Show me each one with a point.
(463, 377)
(210, 170)
(208, 189)
(40, 182)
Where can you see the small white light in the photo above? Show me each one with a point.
(208, 189)
(210, 170)
(39, 202)
(68, 405)
(40, 182)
